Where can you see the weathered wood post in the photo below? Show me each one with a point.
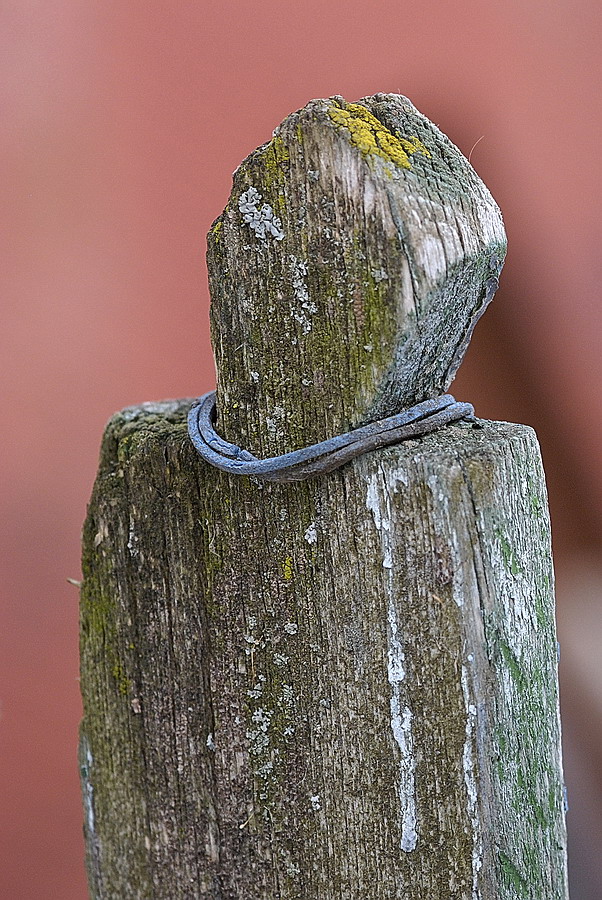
(344, 687)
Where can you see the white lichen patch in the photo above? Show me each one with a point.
(401, 725)
(378, 501)
(298, 275)
(254, 644)
(210, 742)
(270, 710)
(132, 540)
(315, 802)
(275, 421)
(287, 694)
(258, 735)
(304, 308)
(257, 690)
(260, 219)
(102, 533)
(292, 869)
(311, 534)
(380, 275)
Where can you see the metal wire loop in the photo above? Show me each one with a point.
(317, 459)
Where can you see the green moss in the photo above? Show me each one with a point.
(527, 799)
(512, 876)
(512, 663)
(538, 811)
(275, 159)
(98, 611)
(535, 498)
(123, 682)
(502, 740)
(371, 328)
(508, 554)
(541, 612)
(124, 449)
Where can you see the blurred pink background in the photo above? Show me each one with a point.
(121, 124)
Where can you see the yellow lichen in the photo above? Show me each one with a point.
(413, 145)
(372, 138)
(215, 231)
(123, 682)
(287, 568)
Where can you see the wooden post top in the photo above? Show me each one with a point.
(357, 251)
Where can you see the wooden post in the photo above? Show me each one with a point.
(346, 687)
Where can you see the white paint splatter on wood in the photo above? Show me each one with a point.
(470, 780)
(379, 504)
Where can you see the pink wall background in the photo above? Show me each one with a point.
(121, 124)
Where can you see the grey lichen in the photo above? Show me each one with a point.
(261, 220)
